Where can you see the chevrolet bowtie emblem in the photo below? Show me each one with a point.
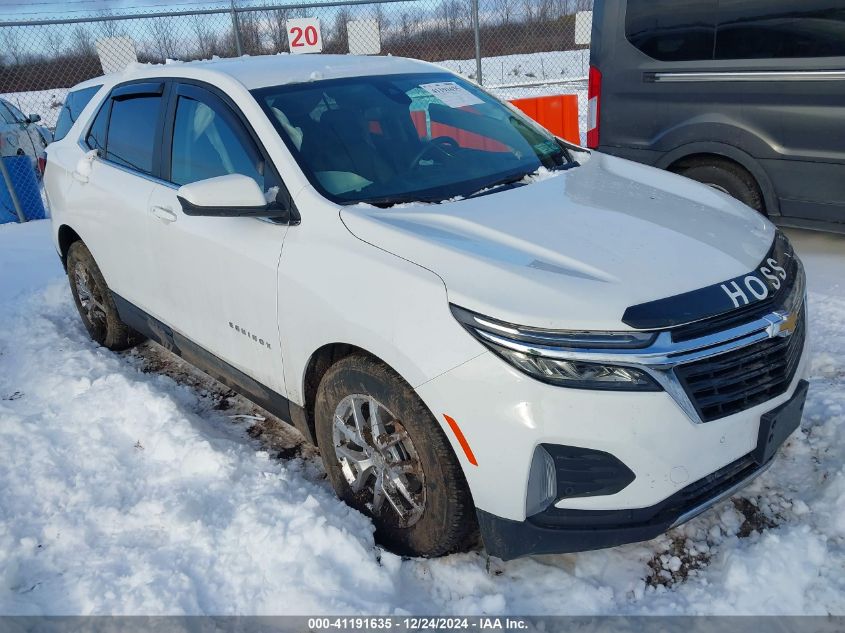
(782, 324)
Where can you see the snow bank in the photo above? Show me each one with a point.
(124, 492)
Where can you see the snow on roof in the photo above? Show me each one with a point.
(273, 70)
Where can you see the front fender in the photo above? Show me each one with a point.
(336, 288)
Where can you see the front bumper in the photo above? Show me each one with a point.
(563, 530)
(504, 415)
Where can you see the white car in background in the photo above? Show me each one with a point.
(20, 134)
(483, 328)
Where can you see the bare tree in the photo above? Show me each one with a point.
(207, 42)
(12, 45)
(339, 36)
(456, 14)
(109, 27)
(381, 18)
(81, 43)
(54, 43)
(538, 10)
(277, 30)
(504, 10)
(249, 24)
(164, 39)
(406, 24)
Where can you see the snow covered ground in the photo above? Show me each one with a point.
(129, 485)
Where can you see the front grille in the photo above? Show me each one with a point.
(738, 380)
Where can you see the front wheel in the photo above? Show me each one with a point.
(387, 457)
(94, 301)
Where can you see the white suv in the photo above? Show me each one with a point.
(485, 329)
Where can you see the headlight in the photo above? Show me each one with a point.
(537, 353)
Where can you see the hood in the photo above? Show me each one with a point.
(574, 250)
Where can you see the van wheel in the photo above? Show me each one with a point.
(94, 301)
(726, 176)
(387, 457)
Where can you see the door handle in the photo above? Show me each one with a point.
(164, 214)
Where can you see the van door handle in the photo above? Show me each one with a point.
(164, 214)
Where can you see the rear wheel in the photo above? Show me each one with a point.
(387, 457)
(94, 301)
(725, 176)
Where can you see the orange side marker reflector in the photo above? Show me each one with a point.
(461, 439)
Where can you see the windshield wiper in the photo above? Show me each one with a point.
(498, 185)
(391, 201)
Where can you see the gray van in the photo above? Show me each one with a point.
(745, 95)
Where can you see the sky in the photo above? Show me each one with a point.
(42, 9)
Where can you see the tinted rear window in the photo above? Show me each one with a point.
(72, 108)
(690, 30)
(131, 132)
(672, 31)
(777, 29)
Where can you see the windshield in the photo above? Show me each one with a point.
(403, 138)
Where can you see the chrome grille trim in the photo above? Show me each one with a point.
(660, 358)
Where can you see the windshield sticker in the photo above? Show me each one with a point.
(451, 94)
(547, 148)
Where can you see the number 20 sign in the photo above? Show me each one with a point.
(304, 35)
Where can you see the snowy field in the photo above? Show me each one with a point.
(46, 103)
(130, 484)
(533, 75)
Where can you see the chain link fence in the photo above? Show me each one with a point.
(515, 48)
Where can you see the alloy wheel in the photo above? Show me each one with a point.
(378, 459)
(90, 296)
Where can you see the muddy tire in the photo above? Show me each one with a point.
(375, 434)
(94, 301)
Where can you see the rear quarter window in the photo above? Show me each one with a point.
(672, 31)
(780, 29)
(71, 109)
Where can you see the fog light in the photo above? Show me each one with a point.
(542, 482)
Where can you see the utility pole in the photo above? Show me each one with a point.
(236, 30)
(477, 27)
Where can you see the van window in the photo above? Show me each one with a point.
(670, 31)
(777, 29)
(72, 108)
(131, 133)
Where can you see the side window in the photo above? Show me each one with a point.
(672, 31)
(208, 141)
(74, 105)
(96, 138)
(780, 29)
(131, 132)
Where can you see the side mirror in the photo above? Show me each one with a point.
(33, 118)
(234, 195)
